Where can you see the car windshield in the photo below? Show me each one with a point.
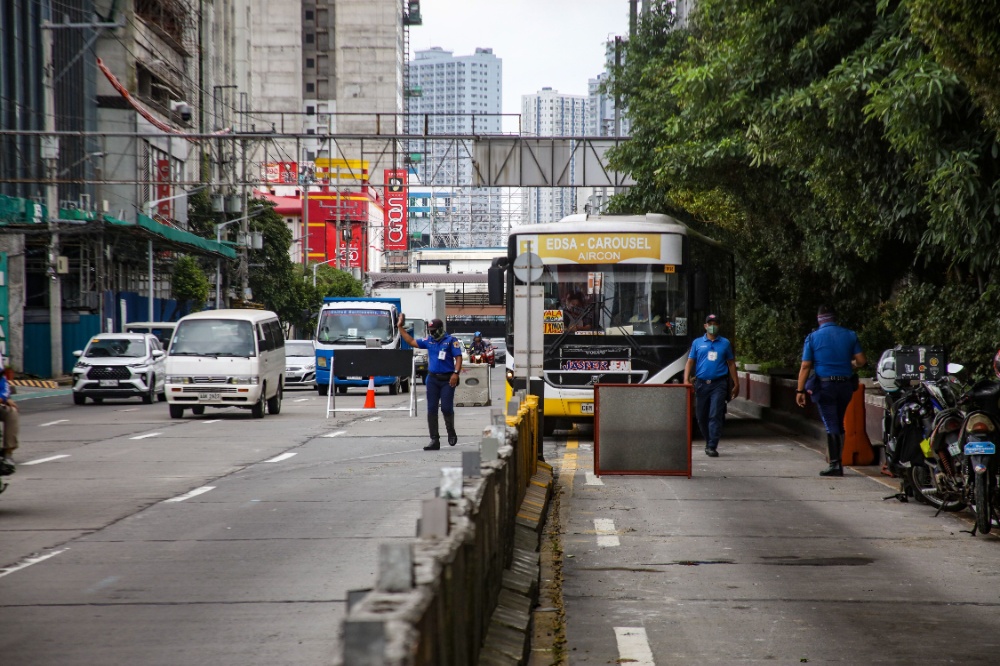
(343, 325)
(466, 338)
(111, 347)
(213, 337)
(294, 348)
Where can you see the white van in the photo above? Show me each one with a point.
(226, 358)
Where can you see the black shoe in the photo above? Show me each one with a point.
(449, 424)
(433, 446)
(452, 440)
(711, 453)
(7, 466)
(833, 470)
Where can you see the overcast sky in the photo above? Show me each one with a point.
(556, 43)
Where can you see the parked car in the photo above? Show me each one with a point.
(120, 365)
(500, 350)
(300, 364)
(163, 330)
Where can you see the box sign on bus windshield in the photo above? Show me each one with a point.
(610, 248)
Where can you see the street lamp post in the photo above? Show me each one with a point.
(318, 264)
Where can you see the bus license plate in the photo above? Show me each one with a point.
(109, 383)
(980, 448)
(210, 396)
(587, 408)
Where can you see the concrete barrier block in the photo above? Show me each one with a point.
(507, 641)
(364, 643)
(395, 567)
(521, 583)
(473, 388)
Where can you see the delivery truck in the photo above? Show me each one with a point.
(356, 323)
(420, 306)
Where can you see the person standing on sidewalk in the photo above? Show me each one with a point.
(444, 363)
(713, 365)
(835, 353)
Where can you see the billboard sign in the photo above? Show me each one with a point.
(281, 173)
(163, 208)
(395, 209)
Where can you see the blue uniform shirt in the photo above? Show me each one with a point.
(711, 357)
(4, 387)
(441, 354)
(830, 348)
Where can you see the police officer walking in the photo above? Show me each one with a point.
(835, 353)
(713, 365)
(444, 363)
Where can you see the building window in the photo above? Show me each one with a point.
(310, 38)
(309, 15)
(310, 87)
(310, 63)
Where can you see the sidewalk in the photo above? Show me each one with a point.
(756, 558)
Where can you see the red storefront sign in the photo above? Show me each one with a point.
(164, 208)
(282, 173)
(395, 209)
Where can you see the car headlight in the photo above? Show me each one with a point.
(82, 364)
(311, 366)
(178, 379)
(243, 379)
(141, 367)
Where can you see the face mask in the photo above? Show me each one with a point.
(437, 333)
(713, 329)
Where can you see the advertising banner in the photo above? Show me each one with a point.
(281, 173)
(395, 209)
(163, 208)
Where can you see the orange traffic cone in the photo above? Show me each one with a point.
(370, 396)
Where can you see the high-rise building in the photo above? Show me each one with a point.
(549, 113)
(352, 69)
(451, 95)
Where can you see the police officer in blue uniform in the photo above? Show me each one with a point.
(835, 353)
(713, 365)
(444, 363)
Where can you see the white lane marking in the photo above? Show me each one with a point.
(302, 400)
(212, 421)
(381, 455)
(189, 495)
(586, 447)
(147, 435)
(593, 479)
(633, 646)
(130, 409)
(41, 460)
(283, 456)
(43, 425)
(374, 418)
(27, 562)
(335, 434)
(607, 536)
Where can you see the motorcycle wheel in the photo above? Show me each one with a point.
(982, 490)
(920, 478)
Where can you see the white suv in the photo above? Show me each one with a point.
(120, 365)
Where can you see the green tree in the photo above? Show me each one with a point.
(189, 282)
(333, 282)
(829, 145)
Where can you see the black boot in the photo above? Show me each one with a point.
(834, 448)
(449, 424)
(432, 428)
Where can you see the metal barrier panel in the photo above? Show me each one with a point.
(642, 429)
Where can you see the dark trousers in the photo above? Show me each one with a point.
(440, 391)
(710, 409)
(832, 400)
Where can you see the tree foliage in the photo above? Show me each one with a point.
(189, 282)
(845, 158)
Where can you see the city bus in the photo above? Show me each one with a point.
(624, 297)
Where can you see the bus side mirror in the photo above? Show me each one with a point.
(495, 277)
(700, 289)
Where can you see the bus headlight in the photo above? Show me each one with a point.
(510, 377)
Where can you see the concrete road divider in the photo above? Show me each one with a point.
(462, 594)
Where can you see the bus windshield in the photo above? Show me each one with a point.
(353, 325)
(615, 299)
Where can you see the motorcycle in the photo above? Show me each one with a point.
(980, 431)
(487, 355)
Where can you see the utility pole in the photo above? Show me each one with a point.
(50, 153)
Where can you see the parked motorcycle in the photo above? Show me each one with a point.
(979, 436)
(921, 430)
